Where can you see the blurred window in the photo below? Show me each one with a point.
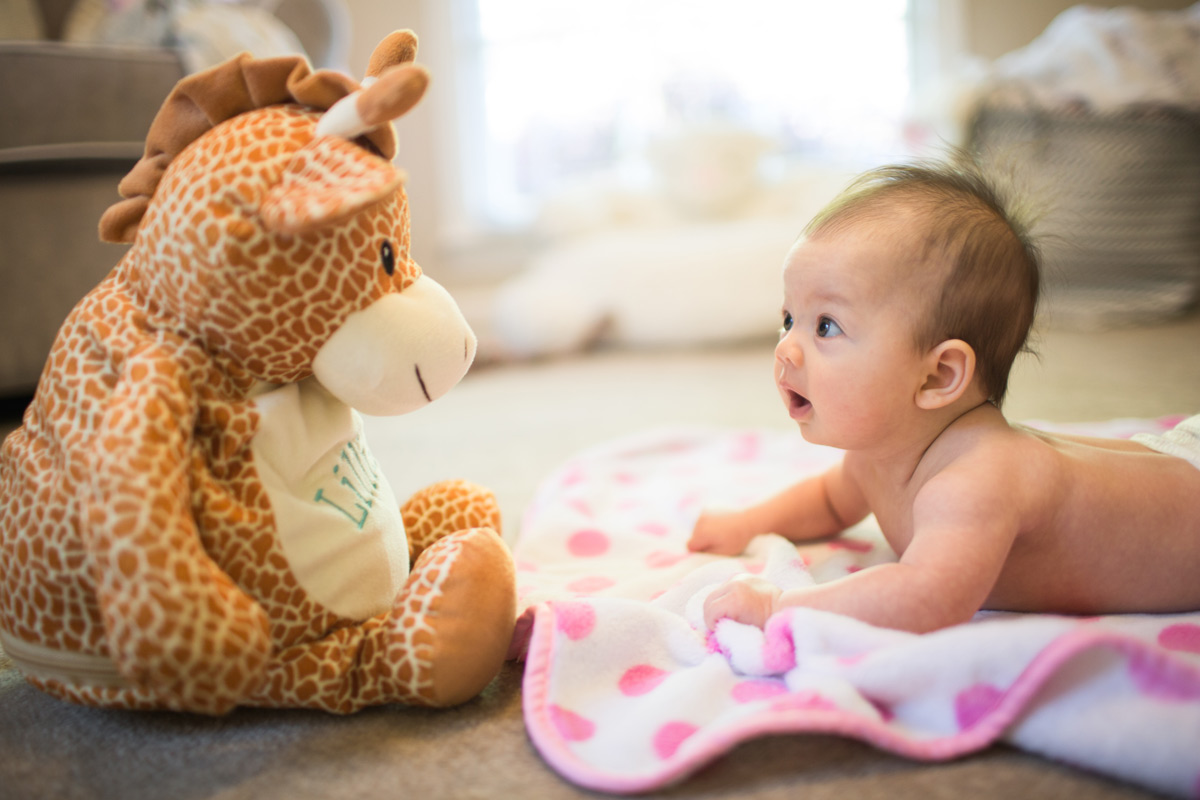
(558, 90)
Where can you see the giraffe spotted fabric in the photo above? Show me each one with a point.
(190, 517)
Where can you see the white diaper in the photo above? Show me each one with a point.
(1183, 440)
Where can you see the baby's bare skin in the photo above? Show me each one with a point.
(1105, 526)
(1001, 517)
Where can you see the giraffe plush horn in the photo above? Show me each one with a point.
(382, 100)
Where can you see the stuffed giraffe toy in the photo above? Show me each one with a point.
(190, 518)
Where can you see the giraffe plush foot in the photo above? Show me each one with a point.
(446, 507)
(444, 640)
(454, 620)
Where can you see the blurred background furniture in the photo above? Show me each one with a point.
(1120, 221)
(75, 117)
(1097, 123)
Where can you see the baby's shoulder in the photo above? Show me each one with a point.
(998, 461)
(988, 444)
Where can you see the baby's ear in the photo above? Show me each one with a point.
(950, 368)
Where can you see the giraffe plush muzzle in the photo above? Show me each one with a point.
(398, 354)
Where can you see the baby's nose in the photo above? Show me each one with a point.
(788, 353)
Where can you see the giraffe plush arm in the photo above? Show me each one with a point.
(446, 507)
(175, 623)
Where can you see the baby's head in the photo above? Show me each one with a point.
(974, 270)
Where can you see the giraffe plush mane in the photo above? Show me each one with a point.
(200, 102)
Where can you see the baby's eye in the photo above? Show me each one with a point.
(787, 324)
(826, 327)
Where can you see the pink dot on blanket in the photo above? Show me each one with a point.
(570, 725)
(803, 701)
(975, 702)
(591, 584)
(588, 543)
(1184, 637)
(576, 620)
(572, 476)
(1162, 677)
(579, 505)
(745, 448)
(670, 736)
(852, 545)
(654, 528)
(640, 679)
(762, 689)
(1169, 422)
(779, 651)
(660, 559)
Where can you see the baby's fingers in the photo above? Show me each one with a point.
(718, 533)
(746, 599)
(720, 605)
(702, 543)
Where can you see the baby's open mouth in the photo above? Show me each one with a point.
(797, 402)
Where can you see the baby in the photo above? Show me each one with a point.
(905, 303)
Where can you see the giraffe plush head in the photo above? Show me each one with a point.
(286, 229)
(190, 516)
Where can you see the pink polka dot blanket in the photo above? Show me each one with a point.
(625, 691)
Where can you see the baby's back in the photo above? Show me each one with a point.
(1115, 529)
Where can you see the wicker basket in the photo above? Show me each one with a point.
(1117, 200)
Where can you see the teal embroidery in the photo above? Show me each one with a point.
(361, 478)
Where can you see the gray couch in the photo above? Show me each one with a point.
(74, 120)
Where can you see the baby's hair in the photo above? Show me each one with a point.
(990, 290)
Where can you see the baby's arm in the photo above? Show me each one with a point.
(822, 505)
(961, 540)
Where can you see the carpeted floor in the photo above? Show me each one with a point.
(506, 427)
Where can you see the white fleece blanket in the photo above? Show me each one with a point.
(625, 690)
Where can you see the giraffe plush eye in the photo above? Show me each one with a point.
(388, 256)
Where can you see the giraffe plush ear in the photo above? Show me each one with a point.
(384, 99)
(325, 182)
(399, 47)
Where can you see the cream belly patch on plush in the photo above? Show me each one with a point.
(338, 522)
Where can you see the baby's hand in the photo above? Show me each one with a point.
(722, 533)
(746, 598)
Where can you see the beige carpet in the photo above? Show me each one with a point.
(507, 427)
